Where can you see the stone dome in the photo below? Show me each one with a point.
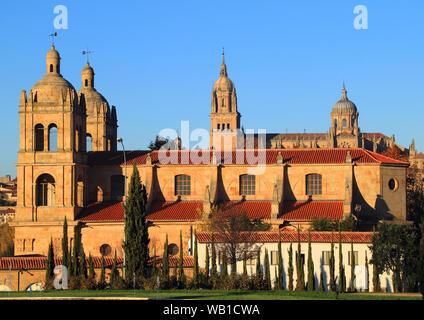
(94, 101)
(52, 87)
(223, 83)
(344, 104)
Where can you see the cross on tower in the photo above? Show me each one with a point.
(87, 53)
(52, 35)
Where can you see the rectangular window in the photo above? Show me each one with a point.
(313, 184)
(252, 259)
(247, 184)
(182, 185)
(326, 257)
(349, 257)
(274, 257)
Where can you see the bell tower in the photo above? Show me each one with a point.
(225, 119)
(51, 168)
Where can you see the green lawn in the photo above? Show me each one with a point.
(212, 295)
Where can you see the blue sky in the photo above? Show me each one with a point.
(157, 62)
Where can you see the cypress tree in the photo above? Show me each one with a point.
(181, 276)
(375, 279)
(91, 272)
(421, 261)
(291, 269)
(113, 272)
(50, 262)
(321, 281)
(311, 278)
(367, 272)
(279, 278)
(165, 259)
(224, 272)
(214, 271)
(341, 268)
(136, 245)
(258, 265)
(154, 271)
(75, 267)
(83, 266)
(332, 265)
(65, 257)
(196, 262)
(300, 280)
(267, 271)
(352, 268)
(245, 264)
(71, 263)
(102, 272)
(207, 258)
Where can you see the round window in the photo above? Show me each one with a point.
(105, 249)
(172, 249)
(392, 184)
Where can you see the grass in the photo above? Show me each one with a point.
(212, 295)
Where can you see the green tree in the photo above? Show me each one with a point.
(258, 265)
(321, 281)
(224, 272)
(181, 276)
(311, 277)
(102, 280)
(196, 262)
(207, 259)
(214, 270)
(342, 287)
(300, 273)
(136, 244)
(352, 268)
(245, 265)
(279, 279)
(395, 248)
(83, 265)
(290, 269)
(71, 263)
(367, 272)
(50, 262)
(65, 256)
(75, 259)
(421, 262)
(267, 271)
(114, 273)
(165, 259)
(91, 272)
(332, 265)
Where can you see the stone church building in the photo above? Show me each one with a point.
(69, 166)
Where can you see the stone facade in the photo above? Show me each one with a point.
(58, 178)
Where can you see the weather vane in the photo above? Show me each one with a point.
(87, 53)
(52, 35)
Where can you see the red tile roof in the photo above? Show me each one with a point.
(307, 210)
(290, 156)
(191, 210)
(177, 210)
(103, 211)
(253, 209)
(290, 236)
(39, 263)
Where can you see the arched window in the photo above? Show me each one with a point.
(86, 82)
(219, 126)
(89, 143)
(344, 123)
(51, 68)
(77, 139)
(247, 184)
(313, 184)
(117, 185)
(182, 185)
(39, 137)
(45, 190)
(105, 249)
(52, 137)
(228, 126)
(173, 249)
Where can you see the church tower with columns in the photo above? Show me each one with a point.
(225, 119)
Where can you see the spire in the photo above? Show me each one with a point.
(223, 71)
(344, 92)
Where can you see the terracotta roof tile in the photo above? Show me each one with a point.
(39, 263)
(307, 210)
(103, 211)
(253, 209)
(178, 210)
(293, 236)
(290, 156)
(188, 261)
